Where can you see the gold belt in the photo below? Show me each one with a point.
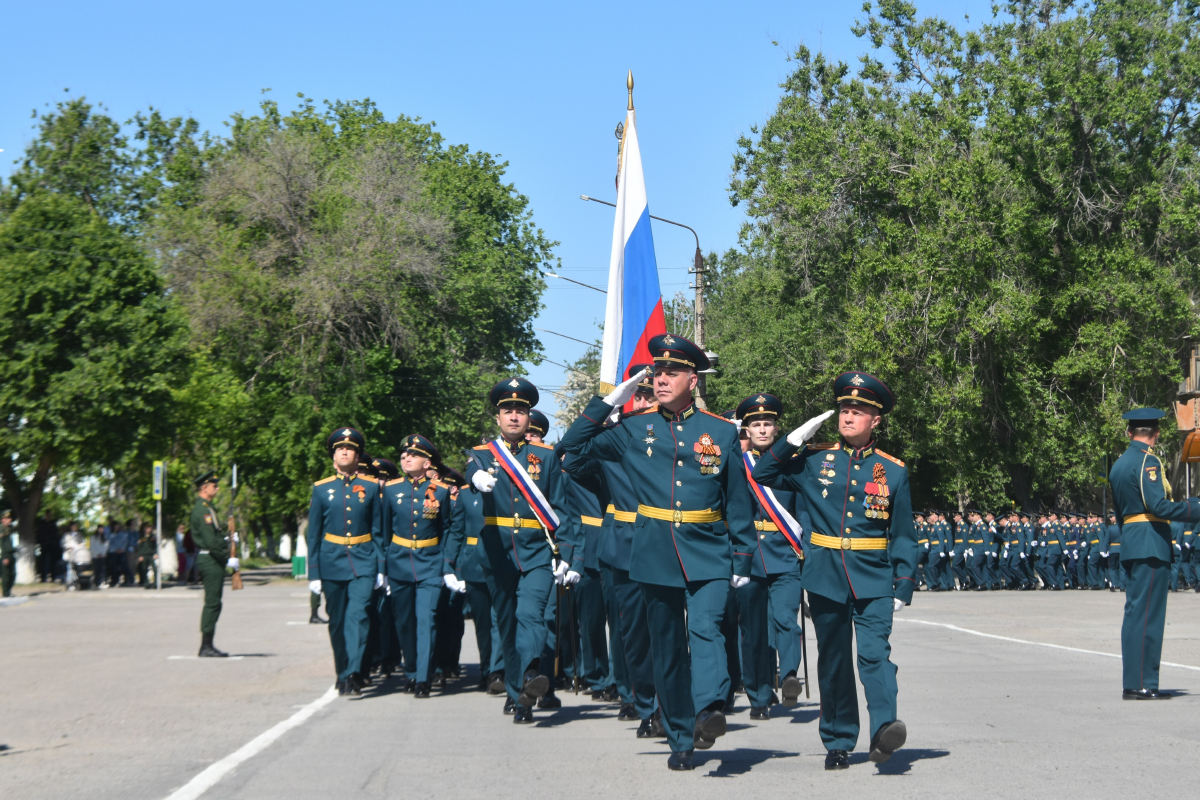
(595, 522)
(1143, 518)
(329, 537)
(472, 540)
(415, 544)
(1071, 543)
(677, 516)
(1052, 541)
(762, 525)
(512, 522)
(1095, 541)
(621, 516)
(849, 543)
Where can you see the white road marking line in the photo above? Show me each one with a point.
(298, 623)
(209, 777)
(197, 658)
(1037, 644)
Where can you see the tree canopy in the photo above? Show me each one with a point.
(1000, 223)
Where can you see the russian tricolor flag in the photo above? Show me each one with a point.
(635, 307)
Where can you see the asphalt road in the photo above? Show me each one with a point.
(102, 698)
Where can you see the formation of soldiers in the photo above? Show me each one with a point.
(1055, 551)
(655, 558)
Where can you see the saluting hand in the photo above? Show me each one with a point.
(808, 429)
(624, 391)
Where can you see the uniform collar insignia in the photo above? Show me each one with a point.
(862, 453)
(671, 416)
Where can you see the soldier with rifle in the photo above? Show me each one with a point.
(212, 559)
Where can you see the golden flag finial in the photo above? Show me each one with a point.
(629, 86)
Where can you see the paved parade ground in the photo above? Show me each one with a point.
(103, 698)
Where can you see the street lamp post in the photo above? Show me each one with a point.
(698, 308)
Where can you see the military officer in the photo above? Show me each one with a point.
(1095, 560)
(977, 538)
(770, 602)
(212, 559)
(629, 638)
(345, 552)
(860, 562)
(384, 470)
(418, 517)
(958, 551)
(1112, 544)
(8, 554)
(937, 572)
(520, 561)
(1144, 514)
(678, 458)
(463, 556)
(1051, 548)
(921, 526)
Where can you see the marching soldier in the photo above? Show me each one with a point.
(1112, 545)
(212, 559)
(463, 556)
(772, 597)
(523, 509)
(629, 638)
(384, 470)
(958, 551)
(345, 554)
(860, 561)
(678, 460)
(977, 537)
(1144, 513)
(937, 572)
(417, 519)
(922, 528)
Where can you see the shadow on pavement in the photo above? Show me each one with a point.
(738, 762)
(561, 716)
(902, 760)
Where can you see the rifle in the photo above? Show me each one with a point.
(235, 582)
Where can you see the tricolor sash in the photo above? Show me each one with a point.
(529, 490)
(786, 523)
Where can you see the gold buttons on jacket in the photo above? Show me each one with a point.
(679, 483)
(849, 513)
(851, 498)
(854, 483)
(847, 530)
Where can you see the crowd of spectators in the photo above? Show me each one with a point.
(114, 554)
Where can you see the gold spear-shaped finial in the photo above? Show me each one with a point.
(629, 85)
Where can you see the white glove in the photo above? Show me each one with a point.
(560, 571)
(1104, 554)
(450, 581)
(314, 587)
(625, 390)
(808, 429)
(1022, 555)
(897, 604)
(461, 587)
(738, 581)
(232, 564)
(571, 578)
(927, 545)
(379, 579)
(484, 481)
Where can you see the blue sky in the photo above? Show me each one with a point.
(540, 84)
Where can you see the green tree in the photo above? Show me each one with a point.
(341, 268)
(89, 350)
(1000, 223)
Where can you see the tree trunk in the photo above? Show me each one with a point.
(26, 500)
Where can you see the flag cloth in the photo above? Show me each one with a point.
(786, 523)
(529, 490)
(635, 307)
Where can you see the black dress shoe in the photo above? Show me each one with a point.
(410, 686)
(837, 759)
(363, 679)
(439, 680)
(509, 706)
(535, 686)
(890, 737)
(208, 649)
(495, 683)
(1145, 694)
(709, 726)
(341, 688)
(598, 696)
(611, 695)
(421, 690)
(760, 712)
(791, 689)
(549, 700)
(627, 712)
(681, 762)
(353, 689)
(524, 715)
(657, 729)
(645, 730)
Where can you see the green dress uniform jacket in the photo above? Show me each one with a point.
(687, 463)
(345, 528)
(418, 518)
(832, 484)
(773, 554)
(462, 550)
(524, 547)
(1143, 511)
(206, 532)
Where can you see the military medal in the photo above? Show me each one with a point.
(708, 454)
(431, 503)
(877, 494)
(650, 439)
(535, 466)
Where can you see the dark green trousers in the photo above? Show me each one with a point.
(212, 575)
(8, 576)
(629, 617)
(481, 609)
(682, 619)
(413, 606)
(520, 603)
(869, 623)
(1145, 618)
(346, 604)
(616, 649)
(593, 639)
(768, 610)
